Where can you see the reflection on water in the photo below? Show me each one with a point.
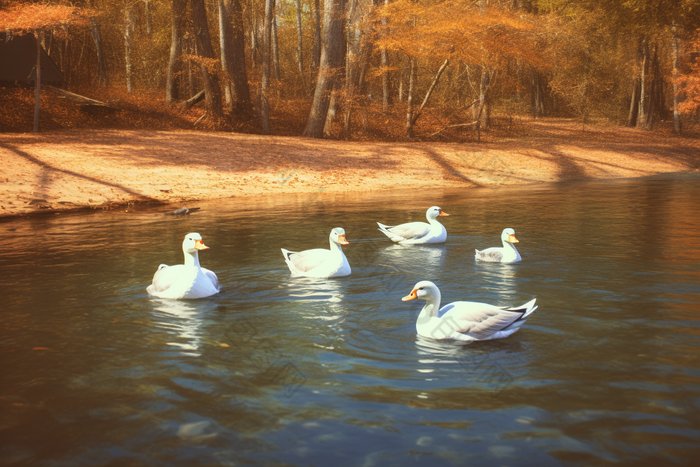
(501, 279)
(301, 371)
(429, 258)
(183, 320)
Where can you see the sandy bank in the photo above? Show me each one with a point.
(100, 169)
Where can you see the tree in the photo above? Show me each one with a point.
(103, 77)
(357, 56)
(300, 46)
(689, 82)
(128, 30)
(385, 68)
(231, 40)
(316, 51)
(207, 59)
(265, 78)
(177, 21)
(329, 68)
(21, 18)
(466, 32)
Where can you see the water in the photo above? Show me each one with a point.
(287, 371)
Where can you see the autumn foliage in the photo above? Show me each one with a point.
(690, 82)
(512, 59)
(22, 16)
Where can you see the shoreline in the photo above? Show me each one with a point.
(83, 171)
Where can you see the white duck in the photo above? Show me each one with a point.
(465, 322)
(188, 280)
(320, 262)
(413, 233)
(505, 254)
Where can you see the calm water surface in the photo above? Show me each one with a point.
(282, 371)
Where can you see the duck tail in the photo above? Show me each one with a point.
(527, 309)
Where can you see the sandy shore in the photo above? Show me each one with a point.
(50, 172)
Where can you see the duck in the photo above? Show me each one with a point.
(319, 262)
(465, 322)
(185, 281)
(505, 254)
(413, 233)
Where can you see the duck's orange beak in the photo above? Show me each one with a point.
(443, 213)
(199, 245)
(412, 296)
(342, 241)
(512, 239)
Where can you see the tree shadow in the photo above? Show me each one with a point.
(49, 168)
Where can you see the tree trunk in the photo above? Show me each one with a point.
(300, 49)
(384, 60)
(353, 45)
(316, 51)
(412, 63)
(173, 91)
(48, 42)
(275, 49)
(225, 51)
(265, 79)
(483, 102)
(483, 110)
(538, 105)
(674, 53)
(192, 50)
(37, 81)
(128, 29)
(430, 91)
(103, 79)
(240, 75)
(66, 60)
(641, 117)
(147, 14)
(254, 47)
(656, 96)
(329, 68)
(232, 40)
(212, 90)
(634, 103)
(199, 97)
(332, 112)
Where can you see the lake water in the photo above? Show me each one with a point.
(283, 371)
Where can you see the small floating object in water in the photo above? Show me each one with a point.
(182, 211)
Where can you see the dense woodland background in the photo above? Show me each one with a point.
(362, 69)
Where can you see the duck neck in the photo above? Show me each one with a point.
(510, 252)
(435, 226)
(336, 248)
(431, 308)
(192, 259)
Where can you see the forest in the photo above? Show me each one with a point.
(445, 70)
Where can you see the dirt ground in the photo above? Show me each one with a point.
(109, 169)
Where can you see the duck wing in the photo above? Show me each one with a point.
(408, 231)
(212, 277)
(479, 320)
(164, 278)
(305, 261)
(492, 255)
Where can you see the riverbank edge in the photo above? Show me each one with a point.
(88, 171)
